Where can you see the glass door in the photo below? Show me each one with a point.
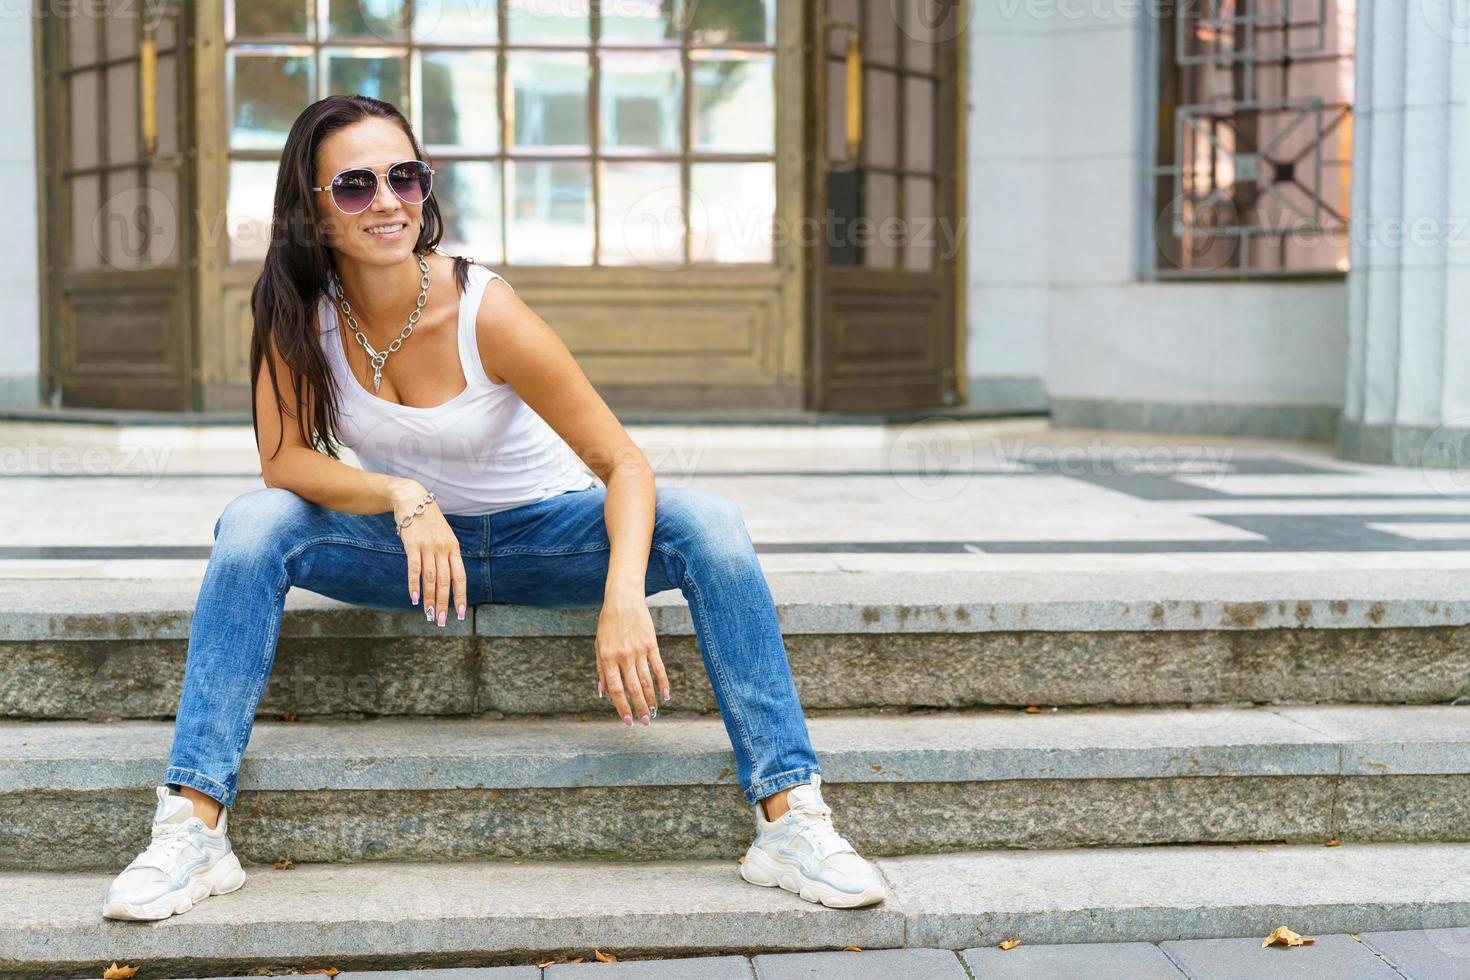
(117, 251)
(885, 176)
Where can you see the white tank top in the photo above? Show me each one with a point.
(482, 451)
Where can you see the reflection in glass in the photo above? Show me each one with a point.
(376, 76)
(468, 192)
(550, 219)
(734, 104)
(366, 19)
(256, 17)
(730, 210)
(268, 92)
(733, 22)
(548, 20)
(459, 99)
(642, 21)
(641, 98)
(548, 94)
(248, 209)
(642, 217)
(451, 21)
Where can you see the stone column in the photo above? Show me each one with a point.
(1407, 398)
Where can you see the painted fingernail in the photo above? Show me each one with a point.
(628, 720)
(599, 687)
(653, 711)
(442, 615)
(645, 721)
(666, 694)
(415, 597)
(428, 612)
(461, 610)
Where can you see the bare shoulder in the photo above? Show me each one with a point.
(502, 322)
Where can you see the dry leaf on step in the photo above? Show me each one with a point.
(852, 949)
(1009, 943)
(1286, 937)
(603, 957)
(115, 972)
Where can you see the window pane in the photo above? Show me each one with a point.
(459, 99)
(880, 117)
(451, 21)
(878, 235)
(120, 28)
(124, 235)
(376, 76)
(920, 228)
(642, 21)
(642, 218)
(366, 19)
(918, 123)
(641, 99)
(83, 113)
(81, 40)
(836, 110)
(880, 47)
(566, 21)
(730, 211)
(733, 22)
(468, 192)
(549, 97)
(252, 195)
(924, 26)
(254, 17)
(163, 218)
(122, 112)
(1255, 142)
(86, 201)
(268, 93)
(550, 213)
(168, 105)
(734, 104)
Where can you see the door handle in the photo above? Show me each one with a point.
(854, 86)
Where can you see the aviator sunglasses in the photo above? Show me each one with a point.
(353, 190)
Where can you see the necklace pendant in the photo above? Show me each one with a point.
(377, 378)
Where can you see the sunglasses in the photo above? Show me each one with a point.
(354, 190)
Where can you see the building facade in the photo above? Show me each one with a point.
(1217, 216)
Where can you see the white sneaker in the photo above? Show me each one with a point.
(183, 863)
(802, 852)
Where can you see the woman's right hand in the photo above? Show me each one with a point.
(435, 569)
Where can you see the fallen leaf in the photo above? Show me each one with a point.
(330, 971)
(283, 864)
(1009, 943)
(1354, 937)
(115, 972)
(1032, 709)
(1286, 937)
(876, 767)
(723, 774)
(288, 715)
(494, 795)
(852, 949)
(1333, 843)
(581, 717)
(603, 957)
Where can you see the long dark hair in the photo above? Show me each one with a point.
(294, 276)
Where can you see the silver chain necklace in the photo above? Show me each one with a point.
(380, 358)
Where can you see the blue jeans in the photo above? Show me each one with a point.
(553, 552)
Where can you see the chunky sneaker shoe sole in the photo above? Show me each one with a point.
(759, 868)
(224, 877)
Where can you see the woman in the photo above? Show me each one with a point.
(469, 416)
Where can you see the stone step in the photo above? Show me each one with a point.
(400, 915)
(76, 795)
(116, 648)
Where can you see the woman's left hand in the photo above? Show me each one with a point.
(629, 667)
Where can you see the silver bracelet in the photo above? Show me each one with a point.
(418, 509)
